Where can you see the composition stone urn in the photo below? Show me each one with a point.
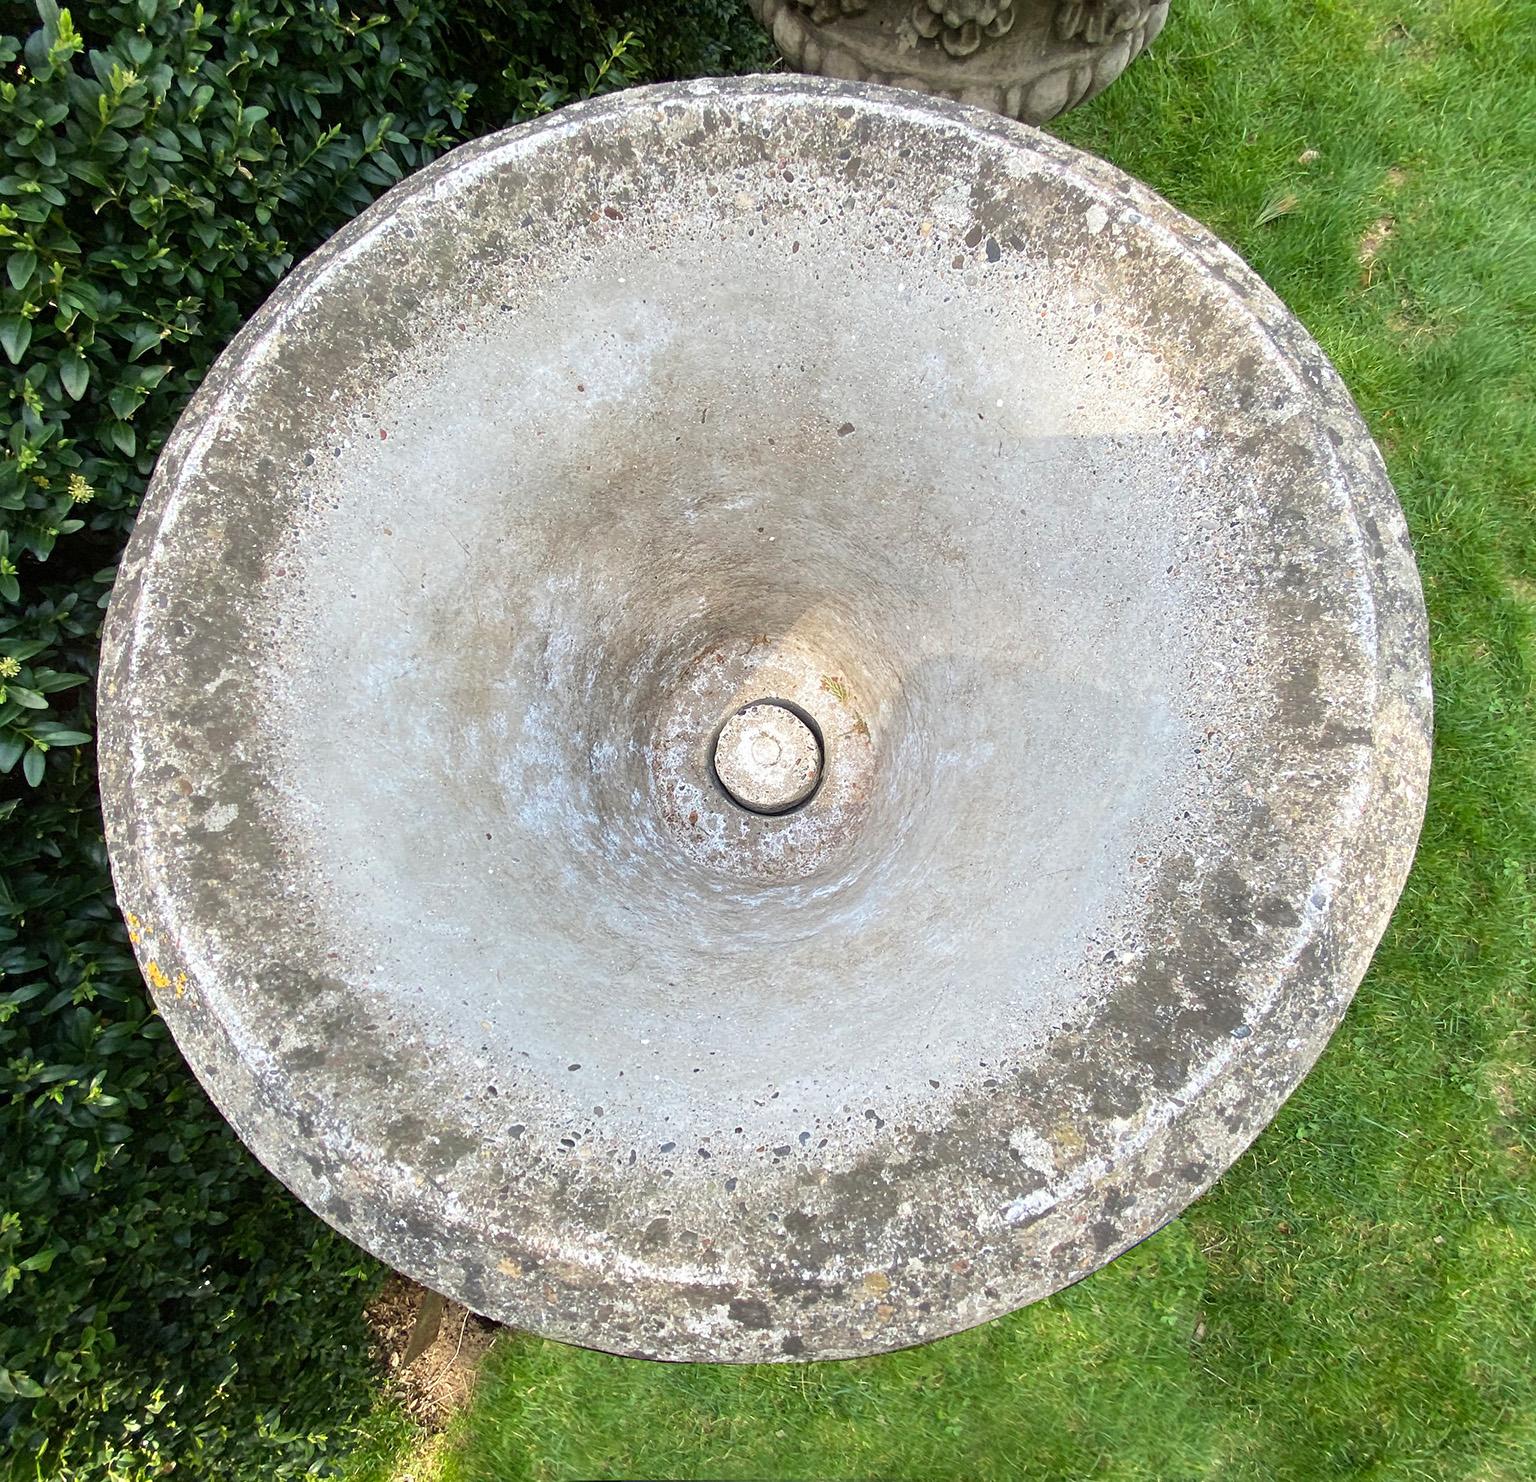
(762, 720)
(1030, 59)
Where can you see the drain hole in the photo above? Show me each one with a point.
(769, 758)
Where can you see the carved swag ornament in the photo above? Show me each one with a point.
(960, 26)
(1098, 21)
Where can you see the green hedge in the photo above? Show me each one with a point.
(160, 1301)
(164, 1305)
(527, 58)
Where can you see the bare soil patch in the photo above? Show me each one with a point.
(434, 1384)
(1380, 231)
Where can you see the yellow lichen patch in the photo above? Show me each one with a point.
(156, 976)
(135, 927)
(1066, 1137)
(181, 985)
(877, 1282)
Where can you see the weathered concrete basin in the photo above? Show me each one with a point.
(1032, 571)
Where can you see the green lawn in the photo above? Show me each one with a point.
(1356, 1297)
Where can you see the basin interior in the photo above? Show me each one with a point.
(984, 542)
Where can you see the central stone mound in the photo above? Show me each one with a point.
(762, 720)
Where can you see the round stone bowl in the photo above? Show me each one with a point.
(1049, 544)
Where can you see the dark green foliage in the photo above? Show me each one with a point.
(526, 58)
(161, 1300)
(162, 167)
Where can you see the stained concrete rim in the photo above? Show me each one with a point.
(1223, 1115)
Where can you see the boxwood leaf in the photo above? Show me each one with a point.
(15, 336)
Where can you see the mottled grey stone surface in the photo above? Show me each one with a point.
(1024, 487)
